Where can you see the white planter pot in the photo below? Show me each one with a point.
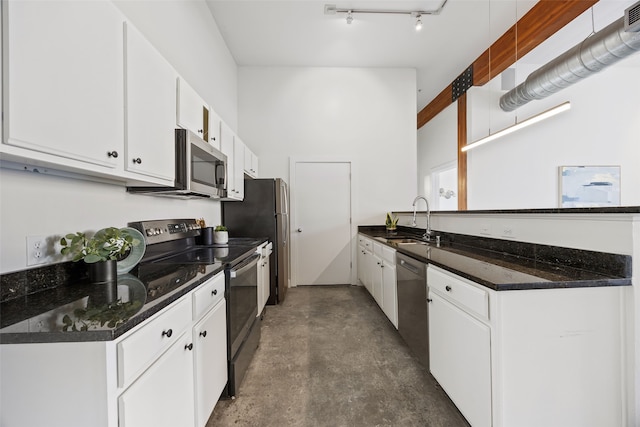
(220, 236)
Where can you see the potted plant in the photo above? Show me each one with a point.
(220, 234)
(391, 222)
(100, 252)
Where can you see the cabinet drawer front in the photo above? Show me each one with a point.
(456, 290)
(367, 243)
(142, 347)
(207, 295)
(389, 254)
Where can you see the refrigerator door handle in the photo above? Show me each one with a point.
(285, 212)
(283, 187)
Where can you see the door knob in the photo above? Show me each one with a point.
(299, 230)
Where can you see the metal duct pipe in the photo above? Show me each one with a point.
(595, 53)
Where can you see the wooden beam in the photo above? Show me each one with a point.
(439, 103)
(462, 155)
(536, 26)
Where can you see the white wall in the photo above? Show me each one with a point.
(187, 35)
(365, 115)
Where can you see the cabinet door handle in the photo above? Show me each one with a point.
(200, 131)
(113, 154)
(214, 292)
(447, 288)
(189, 346)
(137, 160)
(167, 333)
(203, 334)
(429, 300)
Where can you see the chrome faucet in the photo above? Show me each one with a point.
(427, 233)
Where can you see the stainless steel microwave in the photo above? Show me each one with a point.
(201, 170)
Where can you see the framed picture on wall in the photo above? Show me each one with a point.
(589, 186)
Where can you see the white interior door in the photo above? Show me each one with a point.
(321, 205)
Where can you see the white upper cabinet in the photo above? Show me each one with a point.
(150, 107)
(193, 112)
(226, 146)
(250, 163)
(233, 147)
(238, 169)
(63, 77)
(214, 129)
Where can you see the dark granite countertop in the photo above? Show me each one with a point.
(587, 210)
(506, 265)
(70, 309)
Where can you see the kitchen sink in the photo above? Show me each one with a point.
(402, 240)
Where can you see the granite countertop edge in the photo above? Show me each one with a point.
(112, 334)
(598, 280)
(104, 335)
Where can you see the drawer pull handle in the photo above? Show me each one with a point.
(113, 154)
(167, 333)
(189, 346)
(214, 292)
(447, 288)
(203, 334)
(137, 160)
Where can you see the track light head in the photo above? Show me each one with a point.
(418, 22)
(349, 17)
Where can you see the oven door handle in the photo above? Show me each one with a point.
(244, 265)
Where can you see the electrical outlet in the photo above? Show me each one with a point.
(36, 250)
(508, 231)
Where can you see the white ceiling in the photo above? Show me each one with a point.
(299, 33)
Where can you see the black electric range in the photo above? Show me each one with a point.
(174, 242)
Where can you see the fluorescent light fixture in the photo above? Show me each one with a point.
(531, 120)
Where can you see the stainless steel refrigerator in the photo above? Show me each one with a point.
(264, 212)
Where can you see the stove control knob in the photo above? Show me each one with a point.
(149, 232)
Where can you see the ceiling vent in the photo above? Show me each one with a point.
(632, 18)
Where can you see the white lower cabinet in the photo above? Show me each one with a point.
(377, 272)
(210, 361)
(169, 371)
(163, 395)
(376, 282)
(365, 263)
(460, 359)
(529, 358)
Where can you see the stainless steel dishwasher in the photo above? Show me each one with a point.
(413, 319)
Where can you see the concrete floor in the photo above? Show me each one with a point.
(329, 356)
